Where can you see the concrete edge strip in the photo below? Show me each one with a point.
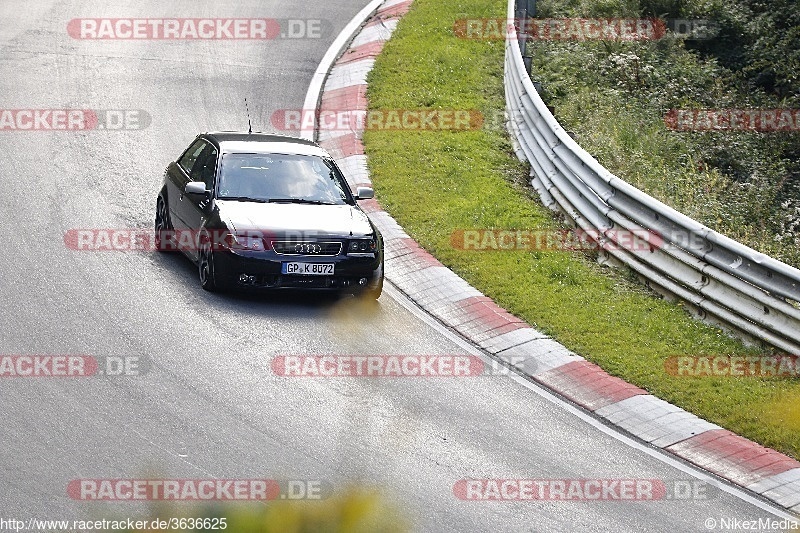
(458, 305)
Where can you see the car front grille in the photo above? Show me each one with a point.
(313, 248)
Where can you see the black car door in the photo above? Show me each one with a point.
(178, 176)
(195, 208)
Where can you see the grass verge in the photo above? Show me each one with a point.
(438, 182)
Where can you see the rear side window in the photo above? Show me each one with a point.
(191, 155)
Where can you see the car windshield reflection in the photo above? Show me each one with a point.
(277, 178)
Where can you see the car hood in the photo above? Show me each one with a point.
(293, 219)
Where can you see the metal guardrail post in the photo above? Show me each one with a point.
(525, 10)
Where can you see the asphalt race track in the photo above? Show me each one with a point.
(209, 405)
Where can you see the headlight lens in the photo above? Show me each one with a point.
(363, 246)
(244, 242)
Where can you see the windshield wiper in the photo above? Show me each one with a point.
(244, 199)
(298, 201)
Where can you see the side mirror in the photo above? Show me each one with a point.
(196, 187)
(364, 193)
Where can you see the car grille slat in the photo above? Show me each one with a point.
(312, 248)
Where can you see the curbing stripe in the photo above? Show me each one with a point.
(379, 32)
(366, 50)
(343, 146)
(784, 486)
(539, 356)
(393, 230)
(720, 451)
(510, 339)
(394, 8)
(355, 170)
(369, 206)
(394, 4)
(351, 97)
(641, 416)
(790, 477)
(588, 385)
(354, 73)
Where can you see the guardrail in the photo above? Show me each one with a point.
(721, 280)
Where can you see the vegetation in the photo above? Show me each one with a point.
(614, 96)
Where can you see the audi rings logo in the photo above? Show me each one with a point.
(306, 248)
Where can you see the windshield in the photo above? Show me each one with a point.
(278, 177)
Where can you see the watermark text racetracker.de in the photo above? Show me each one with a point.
(41, 119)
(198, 489)
(378, 119)
(585, 29)
(583, 489)
(754, 366)
(743, 120)
(72, 366)
(390, 366)
(146, 240)
(554, 239)
(263, 29)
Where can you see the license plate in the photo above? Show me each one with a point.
(307, 269)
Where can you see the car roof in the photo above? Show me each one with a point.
(250, 143)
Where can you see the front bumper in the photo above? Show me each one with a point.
(262, 271)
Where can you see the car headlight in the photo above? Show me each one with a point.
(362, 246)
(244, 242)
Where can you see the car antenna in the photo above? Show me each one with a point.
(249, 125)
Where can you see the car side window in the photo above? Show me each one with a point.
(205, 167)
(190, 157)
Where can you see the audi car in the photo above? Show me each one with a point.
(258, 211)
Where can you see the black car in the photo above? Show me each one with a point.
(258, 211)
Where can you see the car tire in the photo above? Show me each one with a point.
(205, 268)
(375, 292)
(163, 227)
